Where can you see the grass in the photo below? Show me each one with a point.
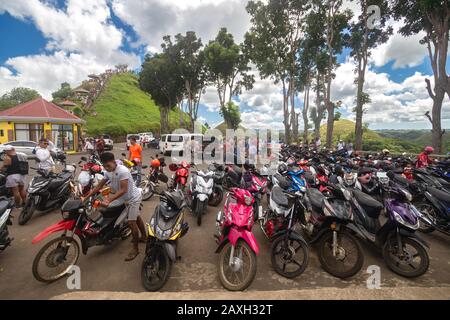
(124, 108)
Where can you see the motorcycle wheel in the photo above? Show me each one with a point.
(27, 211)
(284, 256)
(341, 266)
(216, 198)
(403, 264)
(155, 268)
(53, 255)
(147, 190)
(199, 210)
(244, 277)
(427, 210)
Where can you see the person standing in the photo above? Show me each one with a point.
(89, 147)
(423, 159)
(100, 145)
(135, 155)
(124, 191)
(44, 156)
(15, 166)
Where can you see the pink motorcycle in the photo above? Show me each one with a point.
(237, 244)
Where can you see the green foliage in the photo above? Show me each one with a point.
(17, 96)
(63, 93)
(231, 114)
(121, 104)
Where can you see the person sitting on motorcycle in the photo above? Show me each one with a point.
(125, 191)
(44, 156)
(423, 159)
(15, 180)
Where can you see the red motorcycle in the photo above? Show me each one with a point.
(257, 185)
(237, 244)
(180, 177)
(91, 173)
(56, 257)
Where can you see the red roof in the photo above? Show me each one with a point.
(41, 109)
(67, 103)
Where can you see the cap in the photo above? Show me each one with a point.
(8, 148)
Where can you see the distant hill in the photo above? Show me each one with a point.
(223, 127)
(418, 137)
(372, 141)
(124, 108)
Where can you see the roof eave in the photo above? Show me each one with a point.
(41, 120)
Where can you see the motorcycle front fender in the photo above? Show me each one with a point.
(234, 235)
(171, 250)
(61, 225)
(416, 237)
(202, 197)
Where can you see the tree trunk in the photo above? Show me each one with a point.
(164, 117)
(305, 116)
(318, 118)
(287, 125)
(437, 132)
(294, 117)
(359, 109)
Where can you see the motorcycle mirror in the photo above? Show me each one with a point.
(83, 158)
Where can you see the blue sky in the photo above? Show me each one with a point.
(44, 43)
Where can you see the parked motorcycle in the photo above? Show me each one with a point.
(6, 206)
(237, 244)
(219, 174)
(46, 192)
(165, 228)
(403, 250)
(257, 185)
(200, 190)
(180, 176)
(90, 175)
(151, 180)
(55, 259)
(289, 252)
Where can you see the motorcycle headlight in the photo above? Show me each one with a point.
(400, 220)
(302, 189)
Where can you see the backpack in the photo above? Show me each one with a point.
(23, 163)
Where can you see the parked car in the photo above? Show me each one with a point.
(175, 142)
(23, 146)
(28, 147)
(154, 143)
(109, 143)
(146, 137)
(135, 135)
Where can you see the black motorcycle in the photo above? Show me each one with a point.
(219, 174)
(46, 192)
(6, 205)
(435, 209)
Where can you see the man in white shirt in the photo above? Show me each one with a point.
(44, 156)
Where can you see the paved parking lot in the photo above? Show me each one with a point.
(104, 268)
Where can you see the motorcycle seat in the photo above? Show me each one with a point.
(279, 197)
(112, 212)
(316, 197)
(371, 206)
(4, 204)
(439, 194)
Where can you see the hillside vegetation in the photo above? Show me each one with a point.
(419, 137)
(372, 141)
(124, 108)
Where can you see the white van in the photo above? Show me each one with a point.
(175, 142)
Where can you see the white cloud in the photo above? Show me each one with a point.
(81, 40)
(152, 19)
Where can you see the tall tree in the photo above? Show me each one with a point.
(160, 77)
(227, 67)
(431, 17)
(187, 51)
(336, 21)
(273, 42)
(363, 37)
(63, 93)
(17, 96)
(231, 114)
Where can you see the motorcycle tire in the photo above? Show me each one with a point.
(216, 198)
(37, 274)
(147, 190)
(224, 260)
(27, 211)
(427, 210)
(393, 263)
(327, 264)
(163, 265)
(282, 245)
(199, 210)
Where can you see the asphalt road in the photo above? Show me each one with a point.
(104, 268)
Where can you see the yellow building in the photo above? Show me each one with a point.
(40, 118)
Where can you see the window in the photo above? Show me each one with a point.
(2, 133)
(62, 136)
(173, 138)
(29, 131)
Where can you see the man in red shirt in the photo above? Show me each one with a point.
(135, 155)
(423, 159)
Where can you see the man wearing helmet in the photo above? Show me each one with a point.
(423, 159)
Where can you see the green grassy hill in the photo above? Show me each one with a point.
(124, 108)
(372, 141)
(418, 137)
(223, 127)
